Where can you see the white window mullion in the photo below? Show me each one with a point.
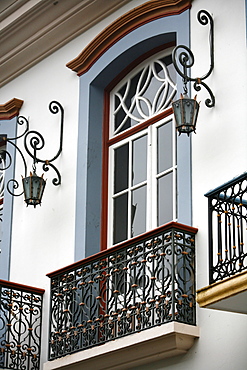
(129, 189)
(154, 194)
(149, 180)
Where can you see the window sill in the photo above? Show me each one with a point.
(168, 340)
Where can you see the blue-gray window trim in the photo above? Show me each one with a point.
(89, 160)
(8, 128)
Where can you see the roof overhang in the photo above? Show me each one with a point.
(33, 29)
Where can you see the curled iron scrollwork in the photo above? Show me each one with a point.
(33, 143)
(183, 59)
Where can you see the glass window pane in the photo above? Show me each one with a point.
(121, 168)
(165, 199)
(125, 107)
(156, 92)
(120, 218)
(164, 138)
(171, 72)
(139, 165)
(122, 121)
(138, 211)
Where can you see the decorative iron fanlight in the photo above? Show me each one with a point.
(185, 113)
(33, 185)
(186, 109)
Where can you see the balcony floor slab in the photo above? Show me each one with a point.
(228, 295)
(154, 344)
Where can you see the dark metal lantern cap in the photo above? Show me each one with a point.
(33, 187)
(185, 112)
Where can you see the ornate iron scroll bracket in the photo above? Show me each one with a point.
(186, 60)
(33, 143)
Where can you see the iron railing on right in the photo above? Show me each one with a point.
(142, 283)
(227, 216)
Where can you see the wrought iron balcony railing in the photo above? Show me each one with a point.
(227, 211)
(142, 283)
(20, 326)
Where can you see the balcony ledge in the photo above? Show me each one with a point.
(228, 295)
(154, 344)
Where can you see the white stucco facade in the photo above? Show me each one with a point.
(43, 239)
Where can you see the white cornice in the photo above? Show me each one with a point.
(37, 28)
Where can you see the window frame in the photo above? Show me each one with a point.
(149, 126)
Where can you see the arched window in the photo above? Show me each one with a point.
(146, 30)
(142, 150)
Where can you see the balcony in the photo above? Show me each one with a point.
(227, 207)
(20, 326)
(110, 308)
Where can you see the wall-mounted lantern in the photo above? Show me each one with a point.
(186, 109)
(33, 188)
(185, 112)
(33, 185)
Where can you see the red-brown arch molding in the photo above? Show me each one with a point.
(133, 19)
